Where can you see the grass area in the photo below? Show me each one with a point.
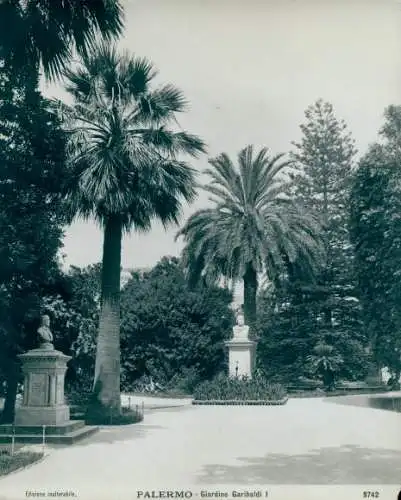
(10, 463)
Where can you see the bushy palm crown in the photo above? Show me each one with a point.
(47, 31)
(123, 155)
(253, 221)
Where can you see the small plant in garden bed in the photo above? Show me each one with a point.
(224, 388)
(10, 463)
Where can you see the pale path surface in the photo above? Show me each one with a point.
(307, 441)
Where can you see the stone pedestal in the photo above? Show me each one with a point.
(43, 401)
(241, 357)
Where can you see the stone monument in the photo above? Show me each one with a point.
(44, 371)
(241, 350)
(43, 403)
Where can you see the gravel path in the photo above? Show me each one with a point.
(307, 441)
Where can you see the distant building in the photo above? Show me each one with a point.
(238, 292)
(127, 272)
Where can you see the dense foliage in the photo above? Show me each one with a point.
(289, 334)
(41, 34)
(74, 318)
(376, 236)
(171, 331)
(32, 174)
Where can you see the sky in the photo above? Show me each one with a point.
(249, 69)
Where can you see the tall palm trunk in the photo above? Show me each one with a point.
(250, 290)
(107, 367)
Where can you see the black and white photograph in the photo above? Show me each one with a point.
(200, 249)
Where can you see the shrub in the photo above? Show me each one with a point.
(10, 463)
(326, 363)
(126, 417)
(78, 396)
(239, 389)
(373, 380)
(184, 382)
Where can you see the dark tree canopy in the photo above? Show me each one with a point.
(32, 174)
(168, 327)
(376, 236)
(43, 33)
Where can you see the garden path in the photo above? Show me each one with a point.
(307, 441)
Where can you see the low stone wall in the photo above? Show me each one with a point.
(236, 402)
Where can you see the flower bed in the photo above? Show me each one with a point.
(239, 391)
(10, 463)
(238, 402)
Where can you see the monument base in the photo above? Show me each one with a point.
(42, 415)
(241, 358)
(67, 433)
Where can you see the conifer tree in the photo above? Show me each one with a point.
(324, 160)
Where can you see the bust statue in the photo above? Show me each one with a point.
(45, 335)
(240, 330)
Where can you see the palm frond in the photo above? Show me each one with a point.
(123, 164)
(253, 221)
(45, 33)
(170, 142)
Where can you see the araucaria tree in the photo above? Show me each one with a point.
(253, 226)
(126, 170)
(324, 160)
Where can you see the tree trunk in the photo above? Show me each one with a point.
(250, 290)
(106, 400)
(12, 377)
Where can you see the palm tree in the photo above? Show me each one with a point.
(124, 153)
(325, 362)
(253, 227)
(43, 32)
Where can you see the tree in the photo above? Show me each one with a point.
(290, 329)
(32, 158)
(324, 160)
(125, 171)
(253, 227)
(169, 329)
(36, 33)
(376, 236)
(74, 313)
(326, 363)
